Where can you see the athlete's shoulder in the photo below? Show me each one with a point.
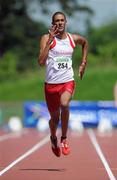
(45, 36)
(74, 36)
(71, 40)
(78, 39)
(44, 39)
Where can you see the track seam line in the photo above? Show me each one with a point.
(29, 152)
(100, 154)
(12, 135)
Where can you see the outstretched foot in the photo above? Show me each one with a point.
(65, 147)
(55, 147)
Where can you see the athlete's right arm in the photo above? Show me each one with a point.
(45, 44)
(44, 49)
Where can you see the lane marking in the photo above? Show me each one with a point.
(29, 152)
(12, 135)
(100, 154)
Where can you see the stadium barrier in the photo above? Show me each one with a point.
(90, 113)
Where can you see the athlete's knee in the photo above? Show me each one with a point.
(55, 116)
(54, 121)
(65, 104)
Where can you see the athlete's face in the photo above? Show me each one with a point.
(60, 22)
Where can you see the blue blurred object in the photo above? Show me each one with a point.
(33, 111)
(90, 113)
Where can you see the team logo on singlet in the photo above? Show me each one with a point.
(62, 63)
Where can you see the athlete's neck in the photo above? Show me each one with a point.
(62, 35)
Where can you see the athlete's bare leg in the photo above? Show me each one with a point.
(65, 99)
(53, 123)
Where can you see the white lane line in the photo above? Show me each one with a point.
(12, 135)
(7, 136)
(100, 154)
(29, 152)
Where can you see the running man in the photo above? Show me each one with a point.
(56, 49)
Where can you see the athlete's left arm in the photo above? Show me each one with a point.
(80, 40)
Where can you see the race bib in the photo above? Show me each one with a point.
(62, 63)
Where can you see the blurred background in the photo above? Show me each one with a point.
(23, 22)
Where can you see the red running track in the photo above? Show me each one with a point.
(28, 156)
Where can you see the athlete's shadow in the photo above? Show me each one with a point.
(43, 169)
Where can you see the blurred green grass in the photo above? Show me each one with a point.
(97, 84)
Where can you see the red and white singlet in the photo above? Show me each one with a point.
(59, 63)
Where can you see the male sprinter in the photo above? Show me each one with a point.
(56, 49)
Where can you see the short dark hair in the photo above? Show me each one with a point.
(56, 13)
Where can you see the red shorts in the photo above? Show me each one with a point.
(54, 91)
